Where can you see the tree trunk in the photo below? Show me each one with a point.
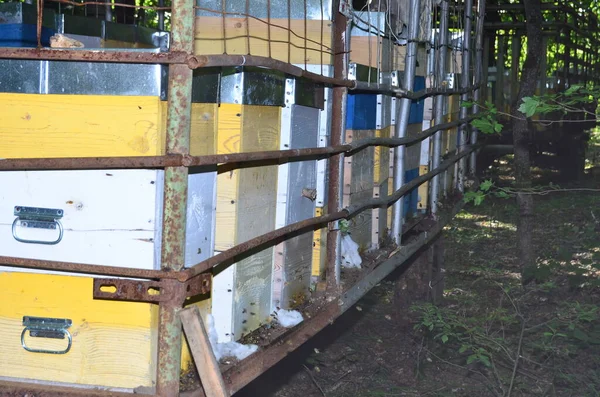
(521, 137)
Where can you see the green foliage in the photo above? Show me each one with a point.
(467, 334)
(571, 100)
(487, 118)
(529, 106)
(485, 189)
(480, 355)
(344, 226)
(436, 322)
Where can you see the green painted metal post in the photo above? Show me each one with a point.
(175, 199)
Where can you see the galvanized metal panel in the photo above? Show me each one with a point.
(152, 37)
(358, 186)
(302, 175)
(255, 215)
(386, 105)
(222, 301)
(103, 78)
(413, 152)
(205, 85)
(20, 76)
(324, 132)
(315, 9)
(362, 73)
(201, 212)
(79, 78)
(252, 86)
(285, 138)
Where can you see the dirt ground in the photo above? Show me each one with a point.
(490, 336)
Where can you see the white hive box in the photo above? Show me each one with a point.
(108, 217)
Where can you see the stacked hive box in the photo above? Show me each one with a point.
(112, 217)
(281, 276)
(109, 217)
(300, 35)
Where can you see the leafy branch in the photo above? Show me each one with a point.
(488, 188)
(571, 101)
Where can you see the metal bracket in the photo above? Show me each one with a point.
(395, 79)
(42, 327)
(37, 218)
(130, 290)
(290, 92)
(352, 71)
(199, 285)
(345, 8)
(147, 291)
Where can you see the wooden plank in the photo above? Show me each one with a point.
(455, 61)
(206, 362)
(204, 127)
(382, 157)
(257, 198)
(79, 126)
(423, 190)
(94, 126)
(319, 248)
(205, 307)
(211, 31)
(364, 51)
(113, 342)
(228, 141)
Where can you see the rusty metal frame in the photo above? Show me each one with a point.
(170, 286)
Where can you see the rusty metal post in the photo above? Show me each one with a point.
(440, 101)
(175, 199)
(465, 82)
(338, 126)
(479, 65)
(108, 12)
(161, 15)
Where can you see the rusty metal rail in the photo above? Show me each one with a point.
(217, 60)
(273, 237)
(264, 240)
